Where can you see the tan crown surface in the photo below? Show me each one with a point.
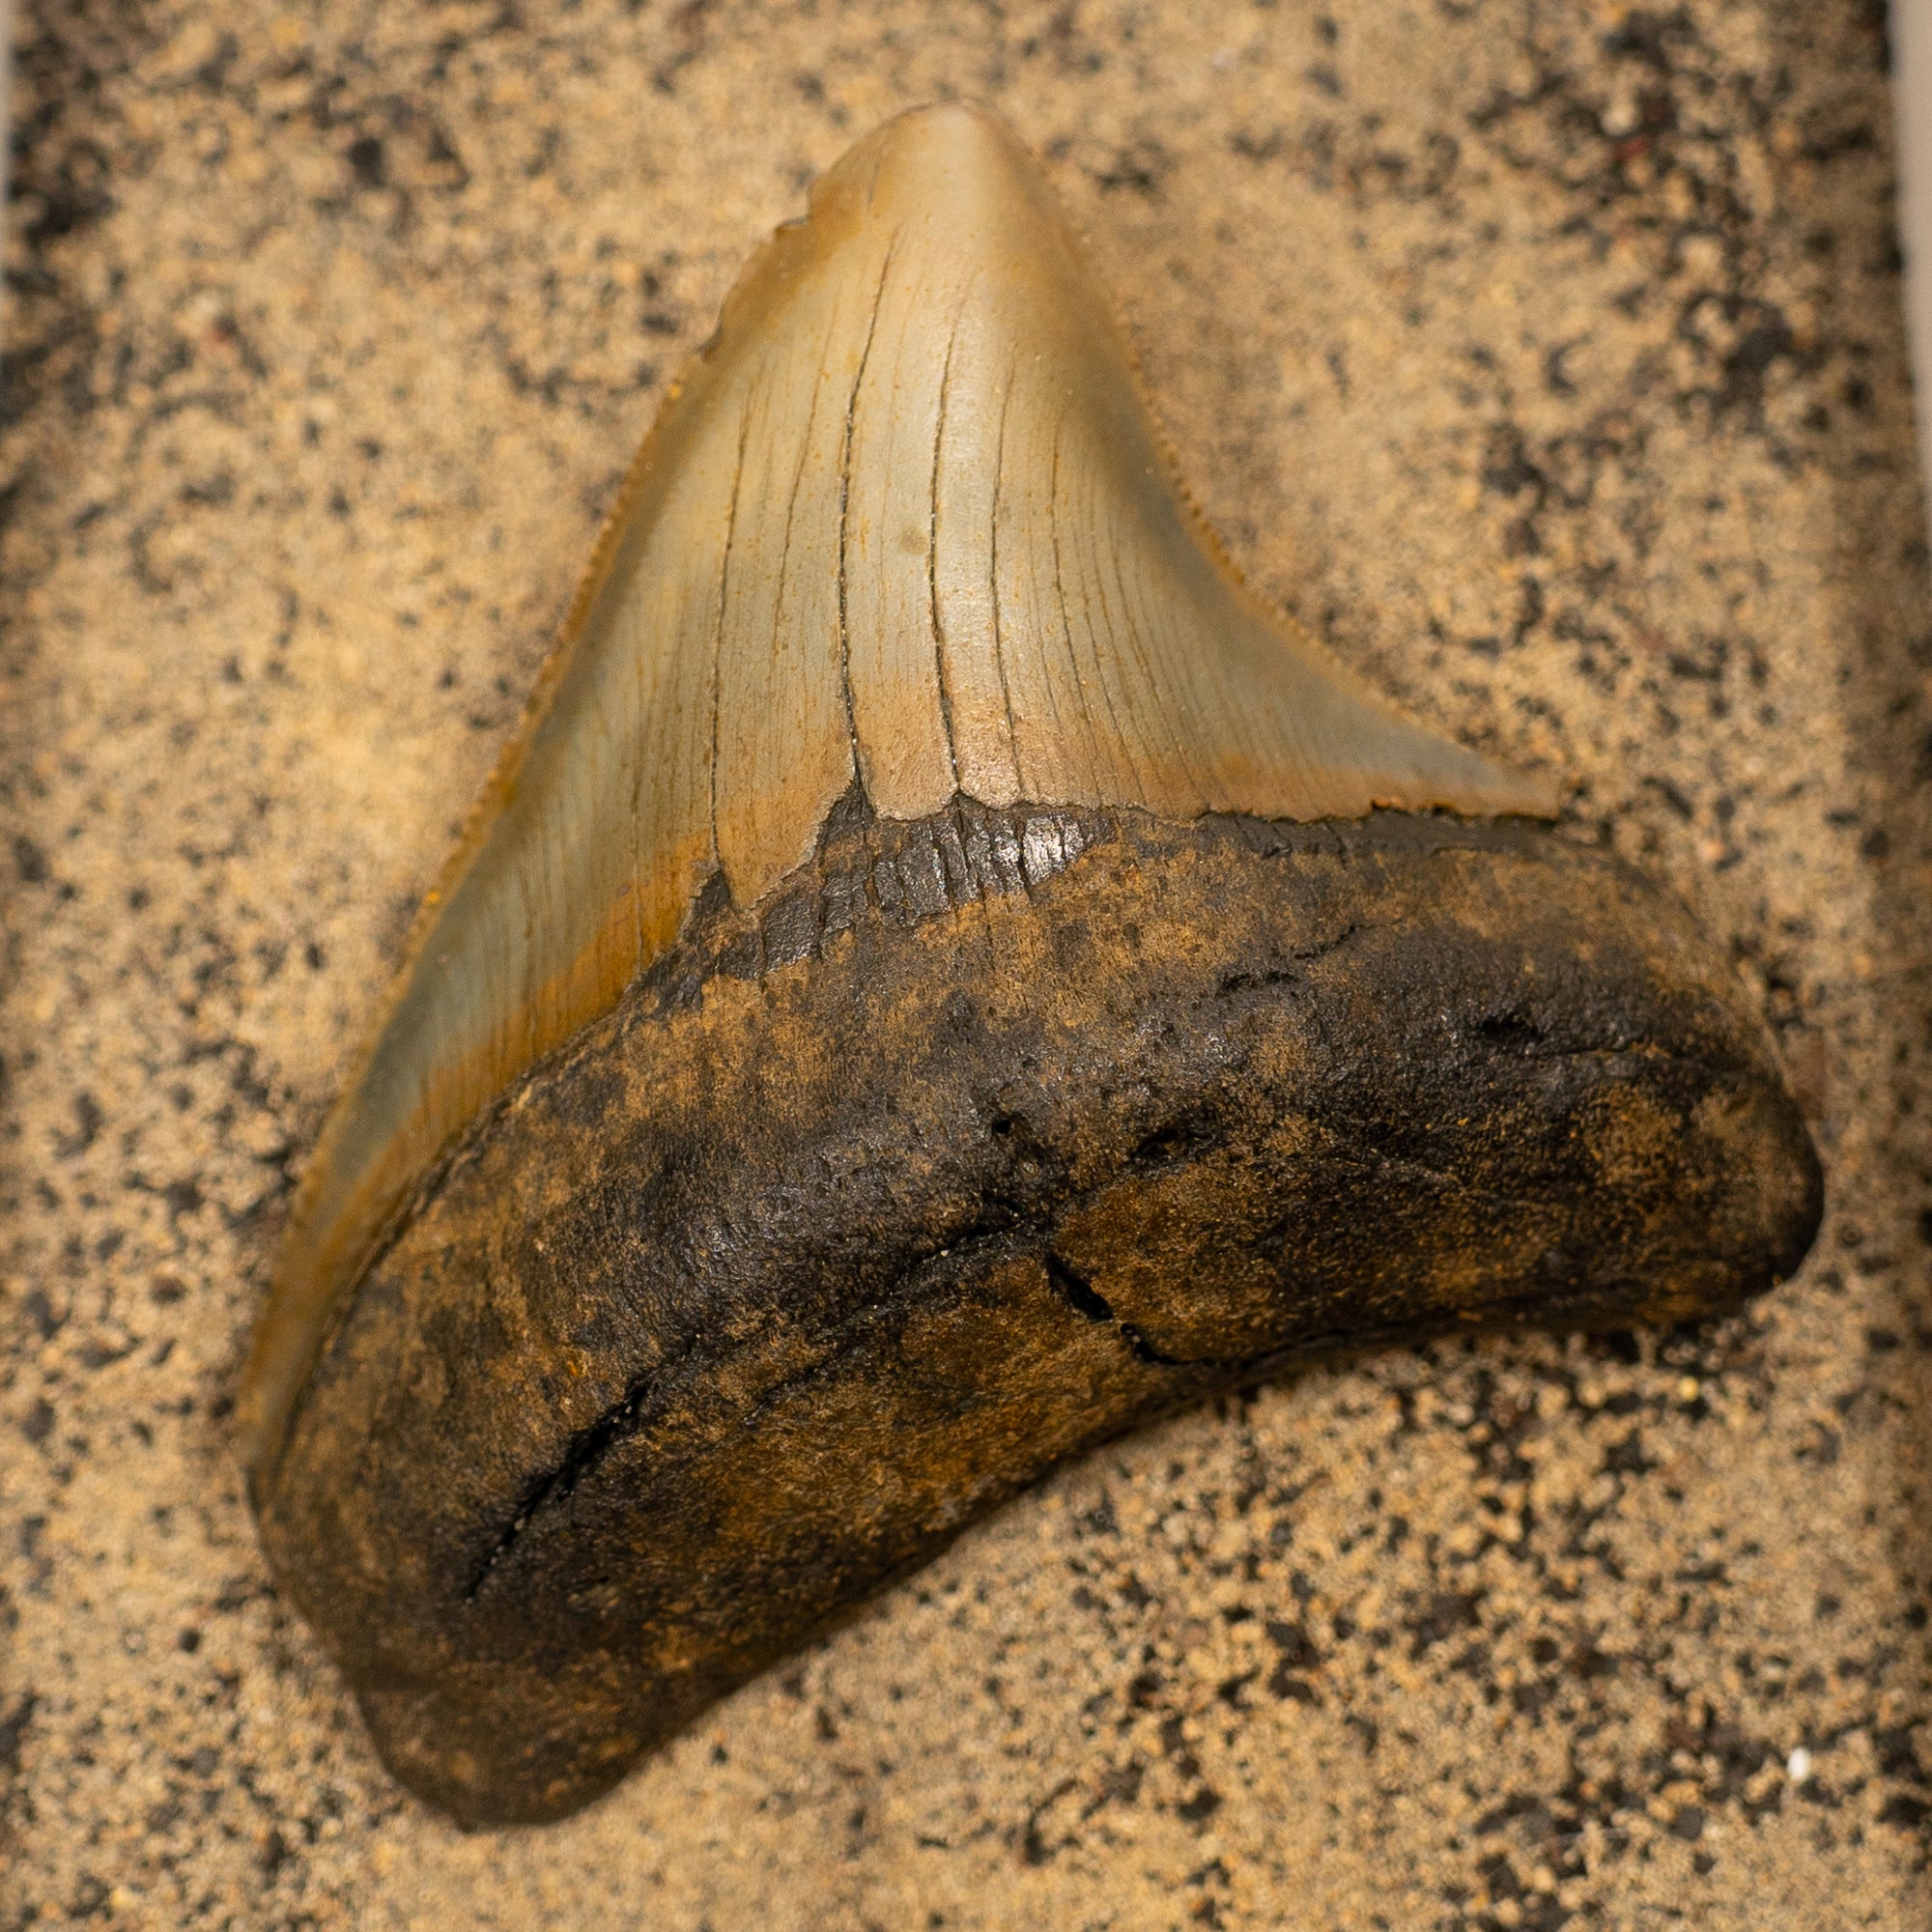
(906, 519)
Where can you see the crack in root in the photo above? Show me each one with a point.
(588, 1445)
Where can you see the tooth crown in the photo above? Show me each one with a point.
(906, 522)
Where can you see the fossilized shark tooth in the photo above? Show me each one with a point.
(944, 974)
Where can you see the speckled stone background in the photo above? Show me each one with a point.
(1546, 356)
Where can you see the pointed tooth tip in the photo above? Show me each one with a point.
(944, 152)
(960, 128)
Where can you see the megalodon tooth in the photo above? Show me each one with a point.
(943, 975)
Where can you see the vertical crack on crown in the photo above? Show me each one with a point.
(932, 547)
(845, 509)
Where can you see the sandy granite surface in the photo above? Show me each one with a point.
(1544, 356)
